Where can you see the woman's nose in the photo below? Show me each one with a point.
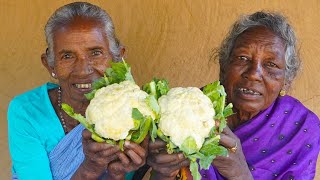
(84, 65)
(253, 72)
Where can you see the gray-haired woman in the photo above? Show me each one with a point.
(271, 135)
(44, 142)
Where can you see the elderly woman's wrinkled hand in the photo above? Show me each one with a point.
(97, 155)
(133, 157)
(233, 166)
(164, 165)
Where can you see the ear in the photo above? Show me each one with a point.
(44, 60)
(122, 51)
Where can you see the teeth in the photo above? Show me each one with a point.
(83, 86)
(248, 91)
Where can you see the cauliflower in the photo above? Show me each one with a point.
(111, 109)
(185, 118)
(186, 112)
(118, 109)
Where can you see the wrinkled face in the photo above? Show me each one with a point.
(81, 52)
(256, 73)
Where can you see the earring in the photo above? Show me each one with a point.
(282, 93)
(53, 74)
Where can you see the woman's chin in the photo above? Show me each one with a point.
(249, 107)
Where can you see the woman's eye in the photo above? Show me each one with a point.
(96, 53)
(271, 64)
(67, 56)
(243, 58)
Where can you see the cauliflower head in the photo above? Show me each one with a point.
(186, 112)
(111, 109)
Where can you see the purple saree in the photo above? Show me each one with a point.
(281, 142)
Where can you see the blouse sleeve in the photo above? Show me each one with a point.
(28, 154)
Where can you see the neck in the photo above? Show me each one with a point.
(239, 118)
(67, 122)
(79, 106)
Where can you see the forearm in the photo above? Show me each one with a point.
(245, 175)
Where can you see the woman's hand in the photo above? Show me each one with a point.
(234, 166)
(97, 157)
(133, 157)
(164, 165)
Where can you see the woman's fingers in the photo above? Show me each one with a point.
(227, 131)
(135, 158)
(96, 147)
(168, 159)
(157, 144)
(123, 158)
(181, 164)
(169, 169)
(86, 135)
(136, 148)
(145, 142)
(227, 141)
(116, 168)
(136, 153)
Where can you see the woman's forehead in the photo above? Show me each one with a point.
(260, 36)
(79, 23)
(80, 31)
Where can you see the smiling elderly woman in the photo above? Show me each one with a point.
(271, 135)
(44, 142)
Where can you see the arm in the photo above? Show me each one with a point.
(28, 154)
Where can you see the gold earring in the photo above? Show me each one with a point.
(282, 93)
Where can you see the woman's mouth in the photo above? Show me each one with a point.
(83, 86)
(249, 91)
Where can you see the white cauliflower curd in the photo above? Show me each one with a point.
(111, 109)
(186, 112)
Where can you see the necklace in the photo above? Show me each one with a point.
(63, 122)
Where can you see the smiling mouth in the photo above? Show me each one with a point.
(83, 86)
(249, 91)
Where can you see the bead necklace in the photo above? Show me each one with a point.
(60, 111)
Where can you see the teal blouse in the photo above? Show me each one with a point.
(34, 130)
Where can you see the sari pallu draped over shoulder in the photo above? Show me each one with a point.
(281, 142)
(67, 156)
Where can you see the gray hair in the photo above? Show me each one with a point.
(67, 13)
(276, 23)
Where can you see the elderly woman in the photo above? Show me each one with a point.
(271, 135)
(44, 142)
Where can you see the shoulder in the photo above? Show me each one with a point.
(300, 115)
(31, 117)
(292, 105)
(26, 107)
(33, 95)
